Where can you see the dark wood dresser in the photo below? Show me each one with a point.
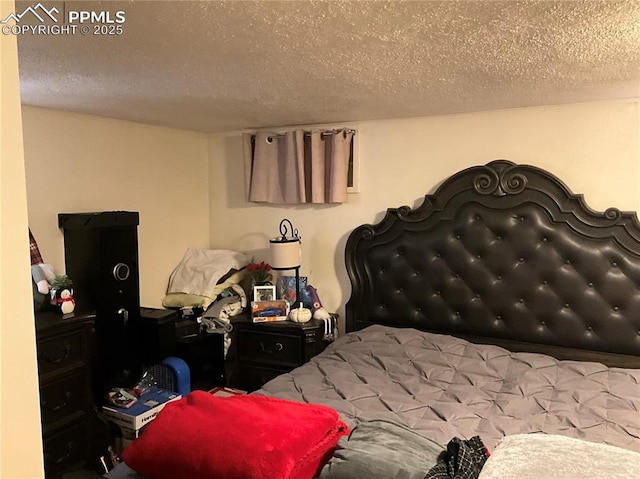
(266, 350)
(64, 347)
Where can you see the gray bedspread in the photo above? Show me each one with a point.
(443, 387)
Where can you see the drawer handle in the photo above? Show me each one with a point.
(277, 347)
(64, 458)
(67, 397)
(59, 359)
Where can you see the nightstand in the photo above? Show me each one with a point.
(204, 354)
(266, 350)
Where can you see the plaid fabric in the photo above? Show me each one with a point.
(461, 460)
(36, 257)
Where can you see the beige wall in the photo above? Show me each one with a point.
(77, 163)
(20, 439)
(594, 148)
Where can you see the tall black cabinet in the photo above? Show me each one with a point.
(101, 258)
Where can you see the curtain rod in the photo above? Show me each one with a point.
(308, 134)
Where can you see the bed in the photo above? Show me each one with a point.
(503, 307)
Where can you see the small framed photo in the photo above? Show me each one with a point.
(264, 293)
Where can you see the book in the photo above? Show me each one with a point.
(287, 290)
(145, 409)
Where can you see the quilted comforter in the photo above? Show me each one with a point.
(444, 387)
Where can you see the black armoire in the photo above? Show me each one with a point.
(101, 258)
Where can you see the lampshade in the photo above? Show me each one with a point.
(286, 251)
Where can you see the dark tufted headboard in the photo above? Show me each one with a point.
(505, 254)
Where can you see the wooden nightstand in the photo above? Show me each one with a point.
(266, 350)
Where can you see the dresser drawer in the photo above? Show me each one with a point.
(62, 352)
(64, 399)
(270, 348)
(67, 447)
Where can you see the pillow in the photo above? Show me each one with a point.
(536, 455)
(181, 300)
(204, 436)
(235, 277)
(382, 449)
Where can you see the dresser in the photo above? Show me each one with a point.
(64, 348)
(266, 350)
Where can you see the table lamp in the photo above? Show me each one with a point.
(286, 252)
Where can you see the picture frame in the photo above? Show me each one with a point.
(264, 293)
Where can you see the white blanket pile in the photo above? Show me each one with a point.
(200, 270)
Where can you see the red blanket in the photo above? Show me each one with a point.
(204, 436)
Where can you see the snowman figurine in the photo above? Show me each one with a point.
(62, 294)
(65, 301)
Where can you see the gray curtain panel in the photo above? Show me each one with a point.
(297, 166)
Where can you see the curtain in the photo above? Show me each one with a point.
(297, 166)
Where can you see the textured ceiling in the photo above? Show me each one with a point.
(216, 66)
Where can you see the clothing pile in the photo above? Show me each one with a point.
(217, 317)
(213, 282)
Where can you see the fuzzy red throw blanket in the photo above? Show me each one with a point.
(249, 436)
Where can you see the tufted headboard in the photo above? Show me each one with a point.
(504, 254)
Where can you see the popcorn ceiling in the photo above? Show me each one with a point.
(216, 66)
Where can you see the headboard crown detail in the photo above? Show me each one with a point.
(502, 251)
(499, 179)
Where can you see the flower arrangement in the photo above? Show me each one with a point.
(260, 272)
